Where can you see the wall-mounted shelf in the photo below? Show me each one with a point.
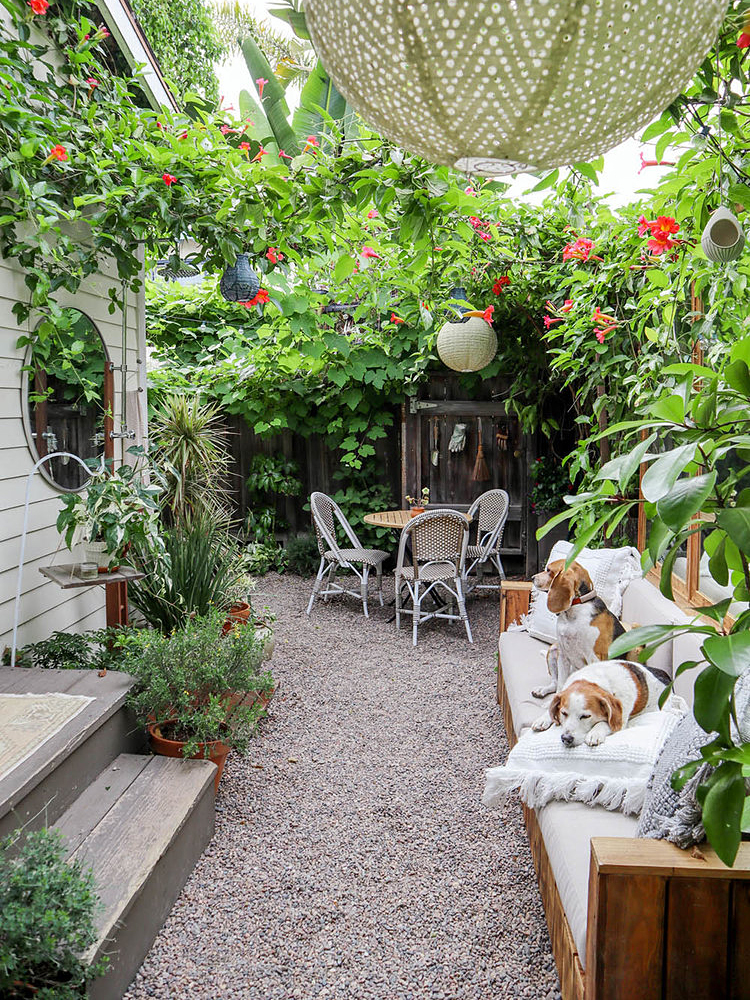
(65, 576)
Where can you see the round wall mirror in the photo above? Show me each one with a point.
(66, 396)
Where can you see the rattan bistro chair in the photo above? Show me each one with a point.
(489, 512)
(325, 514)
(438, 551)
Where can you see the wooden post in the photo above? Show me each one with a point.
(116, 594)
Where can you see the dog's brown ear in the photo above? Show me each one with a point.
(554, 708)
(561, 593)
(612, 708)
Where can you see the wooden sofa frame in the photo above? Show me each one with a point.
(663, 923)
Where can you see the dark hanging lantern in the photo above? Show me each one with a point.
(239, 283)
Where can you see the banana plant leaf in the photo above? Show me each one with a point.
(250, 109)
(294, 15)
(320, 102)
(273, 99)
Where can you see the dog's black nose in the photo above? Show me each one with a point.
(567, 739)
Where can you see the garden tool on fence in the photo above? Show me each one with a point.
(458, 438)
(481, 473)
(435, 454)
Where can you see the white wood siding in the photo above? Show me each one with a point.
(44, 607)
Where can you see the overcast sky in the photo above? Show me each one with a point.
(621, 166)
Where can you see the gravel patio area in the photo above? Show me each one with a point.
(353, 858)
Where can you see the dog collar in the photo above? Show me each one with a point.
(584, 599)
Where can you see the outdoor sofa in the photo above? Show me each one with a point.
(628, 918)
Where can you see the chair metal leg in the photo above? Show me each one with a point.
(415, 618)
(462, 609)
(398, 602)
(317, 584)
(380, 583)
(363, 588)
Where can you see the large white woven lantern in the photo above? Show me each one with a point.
(495, 86)
(467, 346)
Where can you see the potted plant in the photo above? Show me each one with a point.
(114, 511)
(418, 504)
(47, 908)
(192, 685)
(549, 485)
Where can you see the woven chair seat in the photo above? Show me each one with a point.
(371, 557)
(474, 551)
(438, 571)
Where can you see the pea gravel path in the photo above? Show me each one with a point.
(353, 858)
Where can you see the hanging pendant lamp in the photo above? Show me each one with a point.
(496, 86)
(239, 283)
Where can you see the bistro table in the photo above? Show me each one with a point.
(396, 519)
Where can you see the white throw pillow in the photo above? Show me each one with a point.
(613, 775)
(611, 570)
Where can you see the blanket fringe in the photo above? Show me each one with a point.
(537, 790)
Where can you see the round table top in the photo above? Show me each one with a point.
(396, 519)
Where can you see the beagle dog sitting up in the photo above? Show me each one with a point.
(586, 627)
(600, 699)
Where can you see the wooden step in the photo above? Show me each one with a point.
(36, 792)
(141, 827)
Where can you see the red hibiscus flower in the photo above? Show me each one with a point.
(487, 314)
(38, 6)
(437, 249)
(500, 284)
(245, 147)
(373, 213)
(274, 255)
(643, 225)
(743, 42)
(57, 152)
(169, 179)
(262, 151)
(549, 321)
(261, 297)
(285, 155)
(311, 143)
(600, 335)
(664, 224)
(567, 306)
(92, 82)
(396, 319)
(261, 85)
(369, 252)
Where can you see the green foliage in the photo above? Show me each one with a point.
(184, 41)
(549, 484)
(47, 909)
(275, 475)
(94, 650)
(115, 507)
(360, 497)
(303, 556)
(189, 448)
(203, 568)
(697, 429)
(260, 557)
(188, 678)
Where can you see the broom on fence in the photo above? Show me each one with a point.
(481, 473)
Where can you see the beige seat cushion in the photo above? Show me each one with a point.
(567, 829)
(524, 667)
(644, 604)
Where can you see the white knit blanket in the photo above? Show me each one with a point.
(613, 775)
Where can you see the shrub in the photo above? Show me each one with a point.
(302, 555)
(47, 909)
(186, 679)
(95, 650)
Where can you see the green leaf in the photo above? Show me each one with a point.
(736, 522)
(740, 193)
(344, 267)
(722, 810)
(738, 376)
(685, 499)
(319, 103)
(657, 277)
(659, 539)
(717, 564)
(661, 476)
(644, 635)
(713, 689)
(624, 466)
(547, 182)
(273, 100)
(671, 408)
(730, 653)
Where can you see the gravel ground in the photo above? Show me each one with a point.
(353, 858)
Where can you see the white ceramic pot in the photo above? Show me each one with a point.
(723, 238)
(96, 552)
(266, 636)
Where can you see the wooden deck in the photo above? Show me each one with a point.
(39, 790)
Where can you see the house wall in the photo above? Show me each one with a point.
(44, 607)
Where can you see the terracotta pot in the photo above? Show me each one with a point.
(239, 612)
(416, 511)
(215, 751)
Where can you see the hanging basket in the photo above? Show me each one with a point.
(467, 346)
(239, 283)
(492, 86)
(723, 238)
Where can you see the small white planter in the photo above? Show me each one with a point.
(96, 552)
(723, 238)
(266, 636)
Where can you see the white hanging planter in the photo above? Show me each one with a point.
(723, 238)
(490, 86)
(467, 346)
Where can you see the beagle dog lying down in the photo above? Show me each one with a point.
(586, 628)
(600, 699)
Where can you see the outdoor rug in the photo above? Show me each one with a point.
(27, 721)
